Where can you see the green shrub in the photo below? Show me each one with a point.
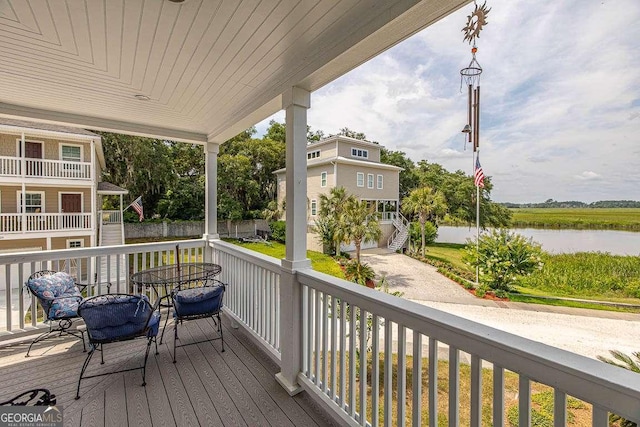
(503, 256)
(278, 231)
(359, 272)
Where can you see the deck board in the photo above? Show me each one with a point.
(204, 387)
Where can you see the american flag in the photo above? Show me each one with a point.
(137, 206)
(478, 174)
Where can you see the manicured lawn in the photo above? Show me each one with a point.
(447, 252)
(319, 262)
(624, 219)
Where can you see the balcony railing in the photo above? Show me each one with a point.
(39, 222)
(370, 357)
(44, 168)
(110, 217)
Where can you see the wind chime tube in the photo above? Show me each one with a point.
(470, 119)
(477, 121)
(477, 227)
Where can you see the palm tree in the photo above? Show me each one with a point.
(425, 203)
(331, 207)
(625, 361)
(358, 223)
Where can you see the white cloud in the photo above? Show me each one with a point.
(588, 175)
(559, 98)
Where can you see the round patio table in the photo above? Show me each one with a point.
(164, 278)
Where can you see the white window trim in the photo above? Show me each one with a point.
(29, 140)
(71, 145)
(314, 207)
(380, 182)
(19, 197)
(370, 180)
(358, 181)
(313, 154)
(365, 153)
(60, 193)
(323, 179)
(75, 240)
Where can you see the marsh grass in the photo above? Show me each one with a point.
(577, 218)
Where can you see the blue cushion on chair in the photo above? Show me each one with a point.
(201, 300)
(114, 317)
(59, 285)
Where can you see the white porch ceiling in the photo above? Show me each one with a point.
(211, 68)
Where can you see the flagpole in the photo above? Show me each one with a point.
(477, 225)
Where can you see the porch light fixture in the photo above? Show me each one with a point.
(141, 97)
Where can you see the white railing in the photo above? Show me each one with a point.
(337, 363)
(110, 217)
(39, 222)
(96, 266)
(370, 357)
(253, 295)
(12, 166)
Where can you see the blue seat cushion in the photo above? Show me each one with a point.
(198, 301)
(114, 317)
(57, 293)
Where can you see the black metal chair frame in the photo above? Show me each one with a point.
(215, 316)
(97, 345)
(35, 397)
(63, 325)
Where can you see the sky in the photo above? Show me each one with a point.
(560, 110)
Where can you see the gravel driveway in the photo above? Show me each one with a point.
(587, 332)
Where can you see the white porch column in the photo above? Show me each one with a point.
(295, 101)
(211, 191)
(94, 197)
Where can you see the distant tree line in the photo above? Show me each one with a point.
(170, 177)
(550, 203)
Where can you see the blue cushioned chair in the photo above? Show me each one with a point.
(197, 300)
(118, 317)
(59, 297)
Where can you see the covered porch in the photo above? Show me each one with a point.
(201, 72)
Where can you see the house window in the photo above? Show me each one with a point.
(380, 178)
(313, 155)
(323, 179)
(314, 207)
(71, 153)
(360, 179)
(75, 244)
(358, 152)
(370, 180)
(34, 202)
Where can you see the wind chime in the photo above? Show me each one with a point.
(471, 77)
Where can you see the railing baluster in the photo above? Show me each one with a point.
(306, 327)
(402, 374)
(524, 401)
(433, 382)
(476, 391)
(375, 371)
(498, 396)
(454, 386)
(343, 351)
(325, 330)
(363, 327)
(388, 369)
(316, 335)
(559, 408)
(600, 417)
(7, 296)
(352, 359)
(334, 343)
(416, 386)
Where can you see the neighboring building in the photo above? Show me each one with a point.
(340, 161)
(50, 194)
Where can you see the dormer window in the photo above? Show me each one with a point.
(313, 154)
(359, 152)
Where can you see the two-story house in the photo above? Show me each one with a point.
(340, 161)
(50, 189)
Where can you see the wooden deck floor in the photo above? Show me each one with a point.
(205, 387)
